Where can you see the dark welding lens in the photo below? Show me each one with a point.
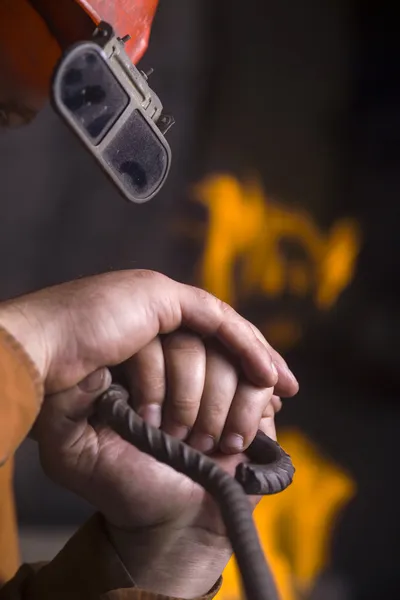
(137, 157)
(90, 92)
(107, 102)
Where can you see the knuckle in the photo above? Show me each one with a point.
(215, 418)
(211, 421)
(155, 383)
(146, 274)
(230, 314)
(150, 390)
(202, 295)
(226, 308)
(184, 404)
(208, 298)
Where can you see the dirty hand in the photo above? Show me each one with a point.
(166, 529)
(73, 329)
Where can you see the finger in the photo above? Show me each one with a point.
(220, 385)
(205, 314)
(63, 417)
(276, 404)
(244, 417)
(146, 378)
(273, 407)
(144, 304)
(287, 384)
(267, 425)
(185, 362)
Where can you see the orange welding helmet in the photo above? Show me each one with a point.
(82, 53)
(33, 34)
(128, 17)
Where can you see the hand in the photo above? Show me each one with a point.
(73, 329)
(166, 529)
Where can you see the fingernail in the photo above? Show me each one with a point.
(202, 442)
(93, 382)
(151, 414)
(232, 443)
(291, 375)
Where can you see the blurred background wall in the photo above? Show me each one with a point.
(283, 200)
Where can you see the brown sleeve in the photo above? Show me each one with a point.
(21, 394)
(87, 568)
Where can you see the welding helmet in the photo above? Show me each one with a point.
(82, 53)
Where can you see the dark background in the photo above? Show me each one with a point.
(308, 96)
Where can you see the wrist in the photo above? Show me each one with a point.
(182, 563)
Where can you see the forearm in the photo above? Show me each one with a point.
(89, 568)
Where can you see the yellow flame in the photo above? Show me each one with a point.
(244, 225)
(295, 527)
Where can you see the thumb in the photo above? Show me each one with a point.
(77, 403)
(63, 417)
